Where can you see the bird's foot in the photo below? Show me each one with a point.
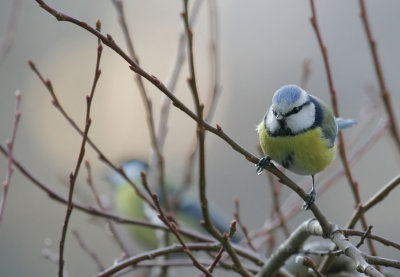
(262, 163)
(309, 200)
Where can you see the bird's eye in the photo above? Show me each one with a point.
(296, 109)
(274, 113)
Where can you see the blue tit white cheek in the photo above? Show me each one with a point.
(271, 121)
(302, 120)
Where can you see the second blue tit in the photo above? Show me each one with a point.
(186, 210)
(299, 132)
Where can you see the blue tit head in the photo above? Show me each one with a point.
(292, 111)
(132, 169)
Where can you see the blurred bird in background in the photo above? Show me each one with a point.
(185, 208)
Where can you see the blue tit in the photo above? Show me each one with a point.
(186, 209)
(299, 132)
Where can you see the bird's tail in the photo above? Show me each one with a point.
(345, 122)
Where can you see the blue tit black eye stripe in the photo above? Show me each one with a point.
(297, 109)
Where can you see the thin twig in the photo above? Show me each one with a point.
(374, 200)
(364, 236)
(242, 226)
(73, 176)
(218, 257)
(150, 255)
(8, 38)
(308, 262)
(275, 187)
(212, 96)
(50, 254)
(353, 184)
(385, 94)
(102, 156)
(160, 170)
(381, 261)
(305, 73)
(172, 227)
(99, 203)
(185, 262)
(201, 138)
(173, 76)
(384, 241)
(89, 251)
(10, 146)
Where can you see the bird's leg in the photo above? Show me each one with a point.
(310, 197)
(262, 163)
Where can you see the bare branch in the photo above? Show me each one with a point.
(385, 94)
(74, 174)
(353, 183)
(10, 146)
(90, 252)
(110, 223)
(160, 169)
(102, 157)
(8, 38)
(298, 237)
(172, 227)
(374, 200)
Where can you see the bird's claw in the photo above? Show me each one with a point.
(262, 163)
(309, 200)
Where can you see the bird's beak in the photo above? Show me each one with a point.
(279, 116)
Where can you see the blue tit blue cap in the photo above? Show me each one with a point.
(132, 169)
(287, 95)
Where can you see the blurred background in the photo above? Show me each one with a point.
(262, 45)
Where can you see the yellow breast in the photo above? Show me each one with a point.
(306, 153)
